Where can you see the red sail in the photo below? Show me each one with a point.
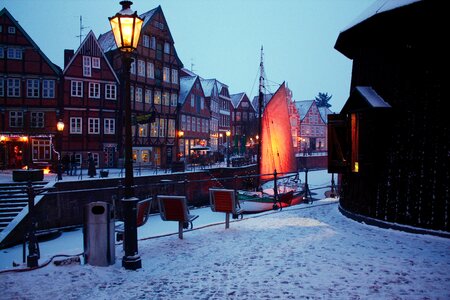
(277, 152)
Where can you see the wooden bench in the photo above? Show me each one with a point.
(143, 210)
(174, 208)
(224, 200)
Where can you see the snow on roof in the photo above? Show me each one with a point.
(324, 112)
(208, 86)
(379, 7)
(186, 84)
(236, 99)
(371, 96)
(303, 107)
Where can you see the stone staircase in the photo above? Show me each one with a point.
(13, 199)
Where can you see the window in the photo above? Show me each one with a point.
(87, 66)
(94, 90)
(110, 91)
(174, 76)
(194, 124)
(153, 42)
(2, 52)
(15, 119)
(166, 74)
(12, 30)
(96, 62)
(109, 126)
(13, 87)
(142, 130)
(199, 128)
(150, 70)
(146, 41)
(157, 99)
(202, 103)
(159, 25)
(2, 87)
(188, 123)
(37, 120)
(131, 93)
(174, 100)
(162, 123)
(133, 66)
(75, 125)
(138, 94)
(192, 100)
(48, 88)
(141, 68)
(238, 116)
(154, 128)
(165, 98)
(183, 122)
(93, 125)
(14, 53)
(77, 88)
(41, 149)
(32, 88)
(171, 128)
(148, 96)
(166, 48)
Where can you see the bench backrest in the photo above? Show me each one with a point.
(173, 208)
(222, 200)
(143, 210)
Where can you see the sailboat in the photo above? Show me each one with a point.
(278, 183)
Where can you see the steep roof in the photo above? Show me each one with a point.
(54, 67)
(362, 98)
(236, 99)
(186, 84)
(303, 107)
(255, 101)
(88, 42)
(324, 112)
(208, 86)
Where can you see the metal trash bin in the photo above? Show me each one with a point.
(98, 234)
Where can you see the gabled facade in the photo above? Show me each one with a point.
(194, 116)
(29, 99)
(211, 91)
(244, 127)
(294, 119)
(155, 88)
(90, 105)
(225, 107)
(312, 127)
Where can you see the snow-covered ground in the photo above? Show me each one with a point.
(309, 251)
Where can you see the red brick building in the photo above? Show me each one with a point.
(313, 128)
(154, 89)
(90, 104)
(29, 99)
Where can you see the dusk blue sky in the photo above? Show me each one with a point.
(221, 38)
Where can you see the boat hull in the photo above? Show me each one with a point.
(255, 204)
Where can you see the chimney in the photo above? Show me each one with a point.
(68, 54)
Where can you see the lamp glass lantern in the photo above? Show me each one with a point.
(126, 27)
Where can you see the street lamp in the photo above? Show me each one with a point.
(126, 27)
(228, 133)
(59, 128)
(180, 135)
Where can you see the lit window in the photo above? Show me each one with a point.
(166, 74)
(157, 99)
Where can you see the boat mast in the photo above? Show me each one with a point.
(260, 109)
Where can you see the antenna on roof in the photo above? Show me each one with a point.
(192, 65)
(81, 29)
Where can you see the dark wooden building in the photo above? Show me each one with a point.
(390, 142)
(29, 99)
(244, 125)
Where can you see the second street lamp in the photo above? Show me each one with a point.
(126, 27)
(60, 129)
(228, 133)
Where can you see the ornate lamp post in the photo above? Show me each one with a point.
(126, 27)
(60, 129)
(228, 133)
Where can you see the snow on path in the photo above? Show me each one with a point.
(298, 253)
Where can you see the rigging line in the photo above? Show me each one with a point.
(253, 86)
